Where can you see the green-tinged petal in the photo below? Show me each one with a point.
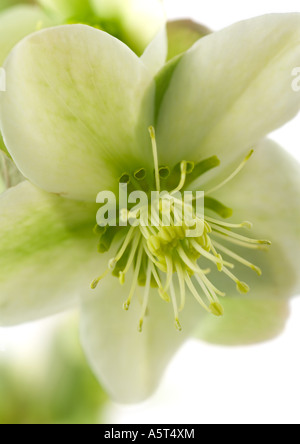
(230, 90)
(66, 9)
(48, 253)
(9, 3)
(137, 21)
(2, 146)
(128, 363)
(88, 98)
(10, 176)
(155, 54)
(18, 22)
(267, 193)
(182, 34)
(246, 320)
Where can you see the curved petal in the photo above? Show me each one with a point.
(155, 54)
(182, 34)
(48, 253)
(138, 20)
(128, 363)
(18, 22)
(266, 192)
(230, 90)
(10, 176)
(76, 110)
(247, 320)
(66, 9)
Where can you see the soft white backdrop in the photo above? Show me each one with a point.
(206, 384)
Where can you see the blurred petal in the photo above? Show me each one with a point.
(66, 9)
(10, 176)
(138, 20)
(18, 22)
(267, 193)
(48, 253)
(128, 363)
(230, 90)
(84, 93)
(155, 54)
(182, 34)
(247, 320)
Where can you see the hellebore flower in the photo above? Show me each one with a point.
(135, 22)
(76, 118)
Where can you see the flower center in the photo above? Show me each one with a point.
(168, 236)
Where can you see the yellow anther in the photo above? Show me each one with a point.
(242, 287)
(216, 309)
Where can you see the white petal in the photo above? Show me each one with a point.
(230, 90)
(76, 111)
(128, 363)
(155, 54)
(139, 20)
(48, 253)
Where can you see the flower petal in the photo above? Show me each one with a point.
(18, 22)
(10, 176)
(48, 253)
(67, 9)
(246, 320)
(155, 54)
(138, 20)
(266, 192)
(128, 363)
(230, 90)
(182, 34)
(89, 100)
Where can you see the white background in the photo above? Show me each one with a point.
(206, 384)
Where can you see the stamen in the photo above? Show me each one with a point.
(95, 282)
(135, 278)
(239, 237)
(232, 176)
(180, 276)
(238, 258)
(132, 253)
(146, 298)
(124, 247)
(155, 157)
(240, 243)
(244, 224)
(174, 302)
(195, 293)
(183, 171)
(241, 286)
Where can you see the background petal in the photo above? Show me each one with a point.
(128, 363)
(76, 110)
(138, 21)
(9, 174)
(230, 90)
(18, 22)
(247, 320)
(182, 34)
(66, 9)
(267, 193)
(48, 253)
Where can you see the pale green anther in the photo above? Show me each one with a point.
(243, 287)
(164, 295)
(122, 278)
(216, 309)
(178, 325)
